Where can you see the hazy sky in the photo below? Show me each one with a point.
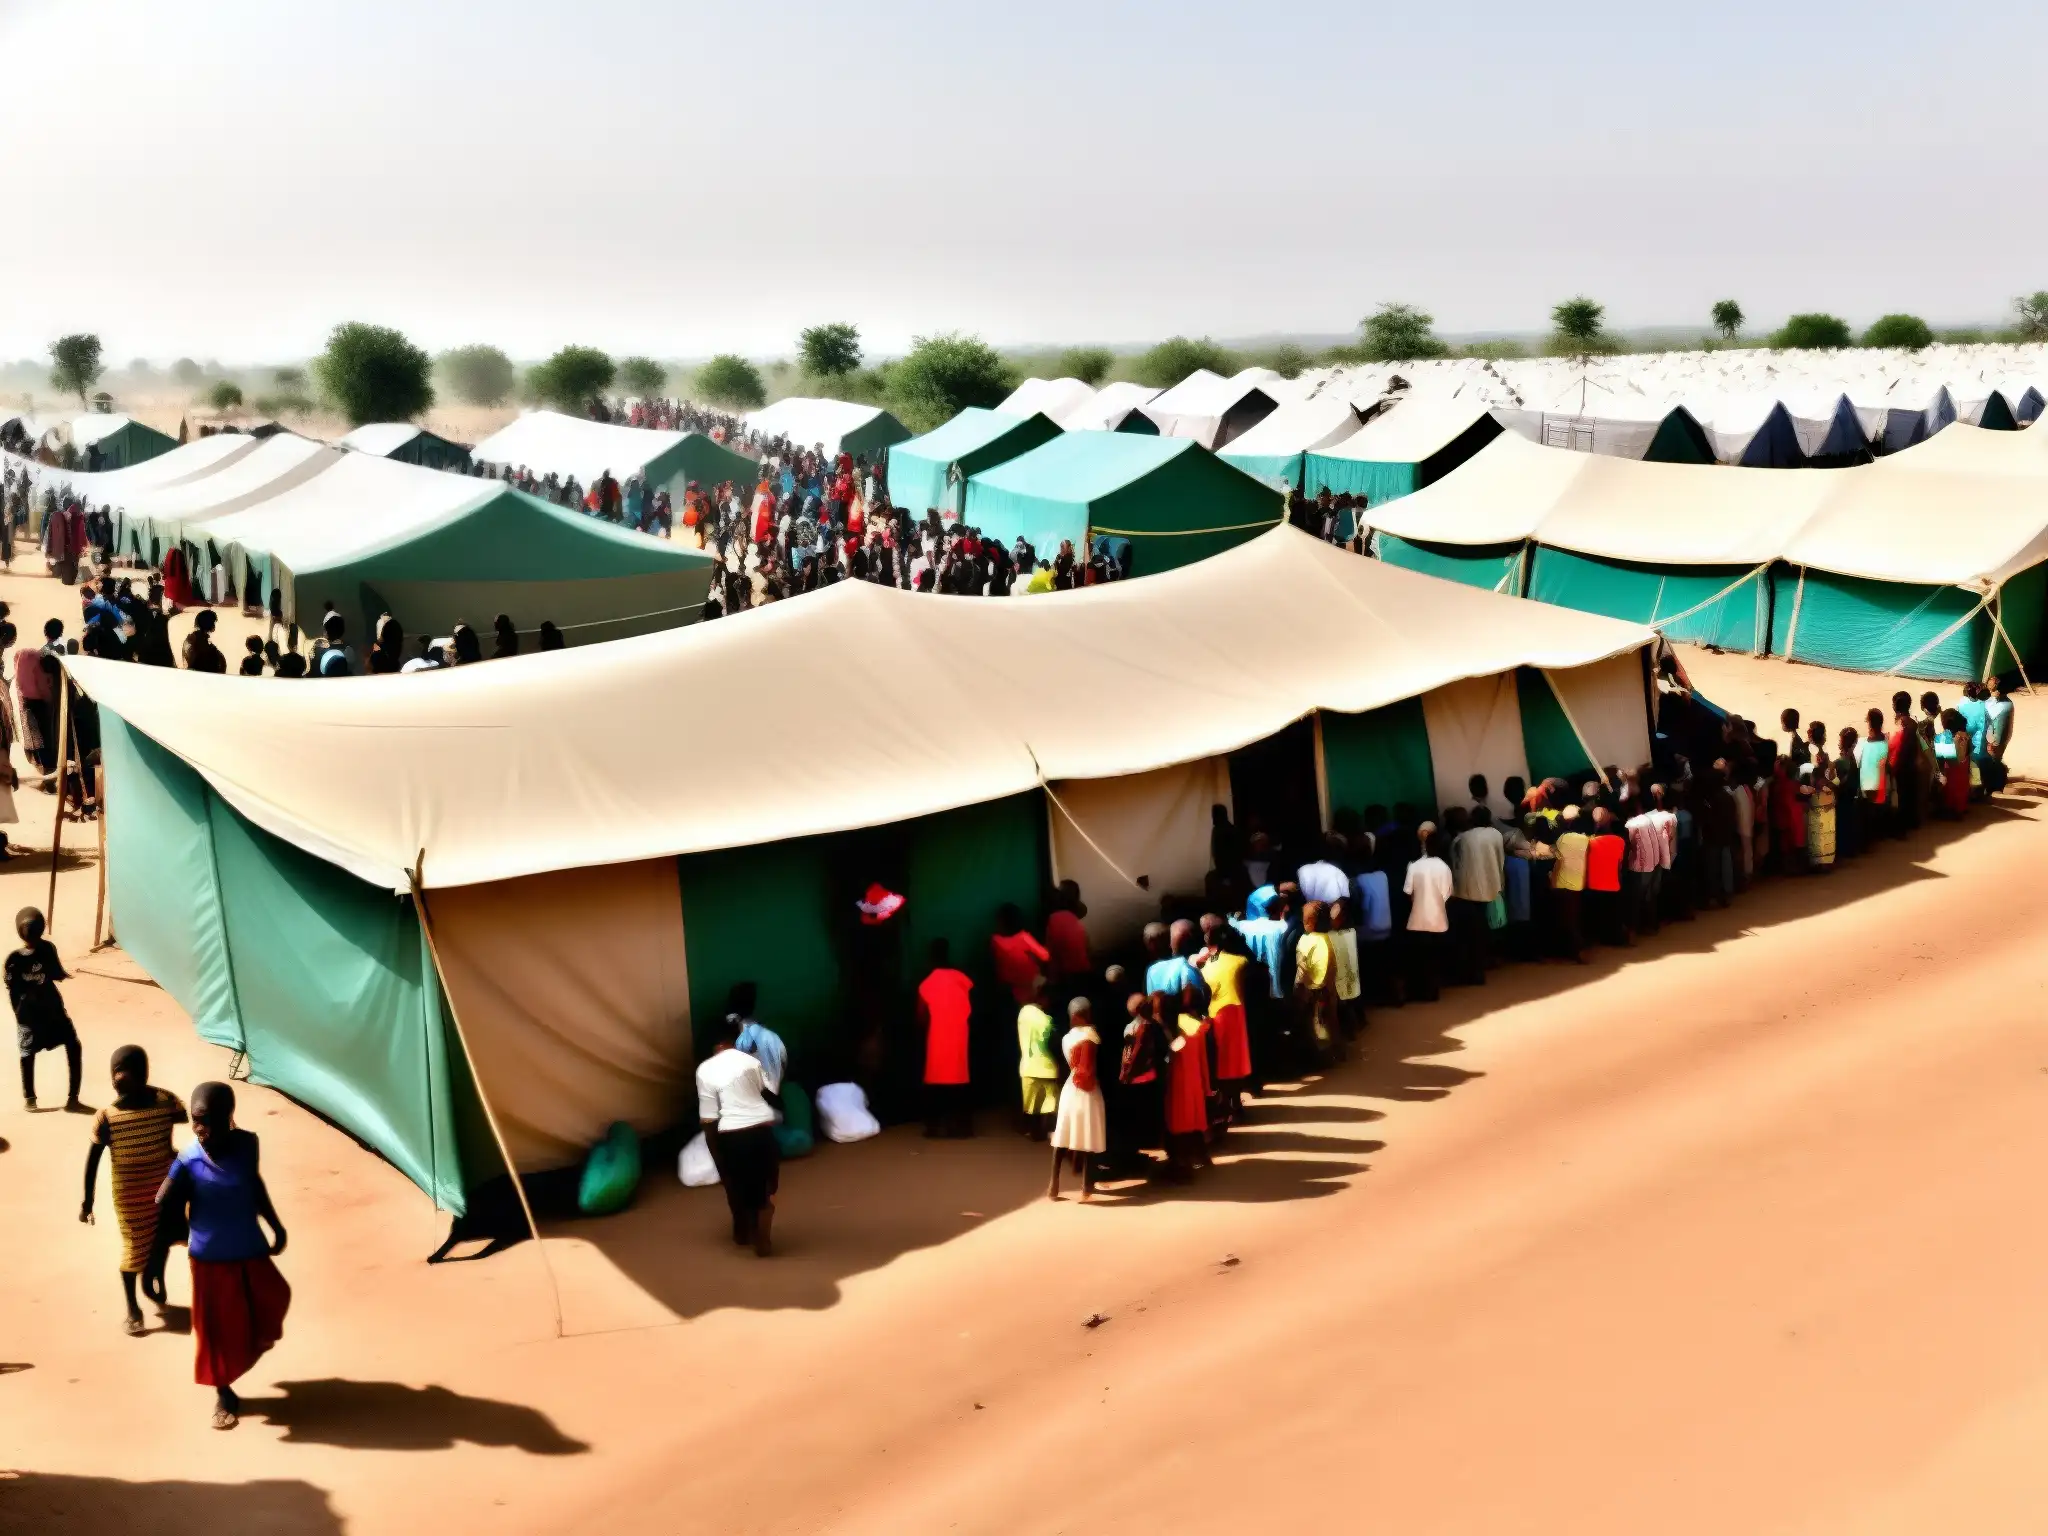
(229, 179)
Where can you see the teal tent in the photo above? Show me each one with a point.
(1412, 444)
(408, 444)
(932, 471)
(1170, 497)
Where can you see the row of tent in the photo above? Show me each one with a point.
(1928, 563)
(263, 838)
(107, 438)
(293, 525)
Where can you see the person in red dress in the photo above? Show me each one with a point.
(1223, 961)
(1018, 957)
(1187, 1081)
(945, 1003)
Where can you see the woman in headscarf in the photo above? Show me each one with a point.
(507, 642)
(216, 1193)
(467, 648)
(387, 651)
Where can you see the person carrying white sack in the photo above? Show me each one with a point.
(1080, 1127)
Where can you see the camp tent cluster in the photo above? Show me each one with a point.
(837, 426)
(547, 442)
(1927, 563)
(263, 837)
(408, 444)
(290, 524)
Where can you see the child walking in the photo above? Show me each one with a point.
(40, 1020)
(136, 1129)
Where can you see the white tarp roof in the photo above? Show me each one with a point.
(505, 770)
(1955, 527)
(1112, 403)
(115, 487)
(807, 423)
(95, 425)
(1296, 427)
(548, 442)
(1196, 406)
(354, 504)
(382, 438)
(273, 466)
(1412, 429)
(1058, 399)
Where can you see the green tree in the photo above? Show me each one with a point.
(1576, 326)
(731, 381)
(572, 379)
(1289, 360)
(1398, 333)
(290, 380)
(372, 373)
(2032, 311)
(187, 372)
(1175, 358)
(642, 376)
(1728, 318)
(225, 396)
(75, 364)
(943, 375)
(480, 374)
(829, 351)
(1090, 365)
(1908, 331)
(1815, 331)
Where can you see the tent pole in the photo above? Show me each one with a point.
(1322, 776)
(419, 903)
(1792, 629)
(2015, 650)
(63, 773)
(99, 906)
(1572, 720)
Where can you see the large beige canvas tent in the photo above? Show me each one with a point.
(582, 910)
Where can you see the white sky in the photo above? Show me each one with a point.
(229, 179)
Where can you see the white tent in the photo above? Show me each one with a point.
(1273, 449)
(1214, 410)
(1058, 399)
(151, 522)
(381, 438)
(1111, 404)
(834, 425)
(547, 442)
(115, 487)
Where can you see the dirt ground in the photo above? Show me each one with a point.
(1740, 1230)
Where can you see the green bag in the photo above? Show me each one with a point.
(611, 1173)
(798, 1133)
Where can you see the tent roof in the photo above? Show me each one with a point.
(973, 428)
(380, 437)
(115, 487)
(1084, 466)
(96, 426)
(1411, 430)
(273, 466)
(1880, 521)
(1296, 427)
(1056, 398)
(547, 442)
(806, 421)
(499, 771)
(356, 504)
(1112, 403)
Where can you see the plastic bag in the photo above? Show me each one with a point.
(695, 1167)
(611, 1173)
(843, 1113)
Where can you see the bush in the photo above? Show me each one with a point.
(480, 375)
(731, 381)
(372, 373)
(1398, 333)
(1177, 357)
(642, 376)
(1908, 331)
(1728, 318)
(225, 396)
(1576, 327)
(1090, 365)
(187, 372)
(572, 379)
(829, 351)
(1813, 332)
(286, 402)
(1288, 360)
(75, 364)
(2032, 314)
(942, 376)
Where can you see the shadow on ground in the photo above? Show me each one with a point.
(54, 1505)
(390, 1416)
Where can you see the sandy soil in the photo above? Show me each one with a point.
(1736, 1231)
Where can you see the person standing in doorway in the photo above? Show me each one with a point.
(945, 1004)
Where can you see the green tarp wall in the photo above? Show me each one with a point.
(708, 463)
(1274, 469)
(1496, 567)
(1877, 626)
(1173, 499)
(1378, 758)
(430, 451)
(932, 470)
(1737, 620)
(1376, 481)
(885, 431)
(1549, 743)
(133, 444)
(323, 980)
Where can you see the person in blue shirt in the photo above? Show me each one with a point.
(1172, 970)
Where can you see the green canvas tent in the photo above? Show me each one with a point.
(837, 426)
(574, 913)
(434, 549)
(1173, 499)
(932, 470)
(408, 444)
(1416, 442)
(548, 442)
(121, 441)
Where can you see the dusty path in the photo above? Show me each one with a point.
(1737, 1231)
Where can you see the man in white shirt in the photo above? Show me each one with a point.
(1428, 887)
(1323, 880)
(739, 1129)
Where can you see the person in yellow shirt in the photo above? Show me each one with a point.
(1222, 962)
(1568, 882)
(1038, 1071)
(1315, 987)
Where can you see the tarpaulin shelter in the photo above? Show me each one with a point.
(1413, 443)
(1213, 410)
(548, 442)
(122, 441)
(1273, 450)
(408, 443)
(1931, 572)
(1170, 497)
(1116, 407)
(1753, 431)
(837, 426)
(431, 549)
(264, 836)
(113, 488)
(932, 471)
(1066, 401)
(150, 522)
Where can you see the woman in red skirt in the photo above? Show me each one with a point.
(1187, 1083)
(238, 1297)
(1223, 964)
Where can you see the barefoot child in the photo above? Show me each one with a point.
(239, 1299)
(136, 1129)
(40, 1020)
(1081, 1129)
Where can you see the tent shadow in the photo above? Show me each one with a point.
(56, 1505)
(390, 1416)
